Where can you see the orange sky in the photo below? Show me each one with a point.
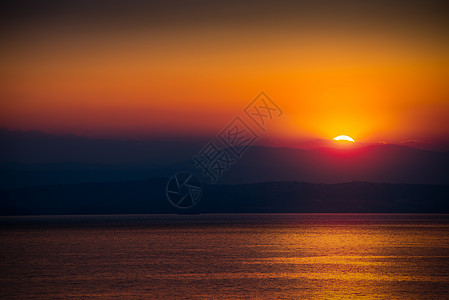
(375, 78)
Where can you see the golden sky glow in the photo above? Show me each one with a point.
(384, 80)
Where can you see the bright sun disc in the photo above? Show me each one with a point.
(344, 138)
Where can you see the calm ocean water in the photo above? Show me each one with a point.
(311, 256)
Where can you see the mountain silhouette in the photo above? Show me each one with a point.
(36, 158)
(149, 196)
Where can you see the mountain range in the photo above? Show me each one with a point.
(149, 196)
(36, 158)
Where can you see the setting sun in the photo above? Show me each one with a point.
(344, 138)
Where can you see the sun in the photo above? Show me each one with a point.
(344, 138)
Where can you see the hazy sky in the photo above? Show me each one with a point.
(374, 70)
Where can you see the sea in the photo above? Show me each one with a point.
(225, 256)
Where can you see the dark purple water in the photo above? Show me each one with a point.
(376, 256)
